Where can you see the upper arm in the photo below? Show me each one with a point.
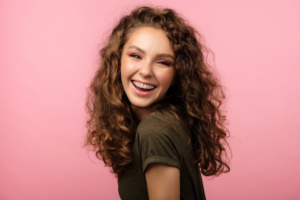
(160, 153)
(163, 182)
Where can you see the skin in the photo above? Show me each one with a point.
(163, 182)
(148, 60)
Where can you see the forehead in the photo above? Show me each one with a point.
(150, 39)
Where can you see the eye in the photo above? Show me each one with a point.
(135, 56)
(164, 63)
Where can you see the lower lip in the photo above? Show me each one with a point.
(141, 92)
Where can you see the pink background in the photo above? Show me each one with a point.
(49, 51)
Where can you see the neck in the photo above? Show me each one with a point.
(141, 113)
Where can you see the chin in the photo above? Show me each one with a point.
(145, 106)
(141, 105)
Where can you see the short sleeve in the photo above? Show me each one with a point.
(157, 143)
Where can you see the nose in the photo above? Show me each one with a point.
(146, 69)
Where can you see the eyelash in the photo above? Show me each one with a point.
(164, 63)
(135, 56)
(139, 57)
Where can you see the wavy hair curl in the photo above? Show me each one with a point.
(195, 99)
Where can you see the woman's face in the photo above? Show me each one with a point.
(147, 68)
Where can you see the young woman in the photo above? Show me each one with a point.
(154, 108)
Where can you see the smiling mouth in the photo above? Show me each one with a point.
(143, 86)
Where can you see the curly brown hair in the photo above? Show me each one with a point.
(195, 99)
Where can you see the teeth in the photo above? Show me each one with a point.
(143, 86)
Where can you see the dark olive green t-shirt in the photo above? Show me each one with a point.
(161, 139)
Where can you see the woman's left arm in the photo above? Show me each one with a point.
(163, 182)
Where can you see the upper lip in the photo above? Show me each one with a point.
(145, 83)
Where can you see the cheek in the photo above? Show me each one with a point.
(166, 78)
(125, 65)
(170, 75)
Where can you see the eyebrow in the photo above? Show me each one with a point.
(159, 55)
